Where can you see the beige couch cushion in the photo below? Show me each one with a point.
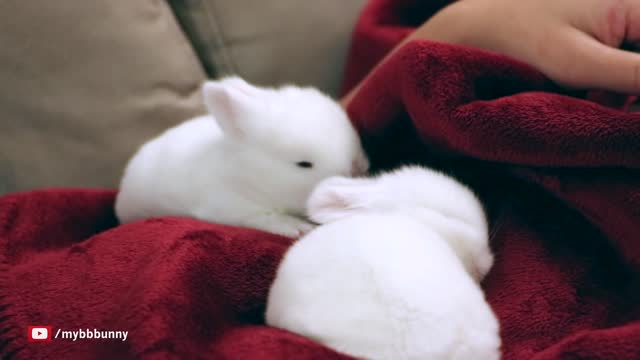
(274, 41)
(84, 83)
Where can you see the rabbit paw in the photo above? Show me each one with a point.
(295, 228)
(288, 226)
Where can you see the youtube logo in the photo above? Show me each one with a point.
(39, 333)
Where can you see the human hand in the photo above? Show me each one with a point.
(573, 42)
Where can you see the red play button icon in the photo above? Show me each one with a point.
(39, 333)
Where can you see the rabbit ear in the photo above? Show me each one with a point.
(241, 85)
(336, 198)
(230, 102)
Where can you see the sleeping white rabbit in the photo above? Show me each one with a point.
(393, 271)
(252, 161)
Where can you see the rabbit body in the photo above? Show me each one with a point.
(252, 161)
(380, 280)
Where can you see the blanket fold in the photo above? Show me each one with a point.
(559, 175)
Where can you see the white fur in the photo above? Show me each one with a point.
(237, 165)
(426, 195)
(381, 278)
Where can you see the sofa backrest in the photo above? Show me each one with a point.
(85, 83)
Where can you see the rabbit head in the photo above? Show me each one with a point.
(282, 141)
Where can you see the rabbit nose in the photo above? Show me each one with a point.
(359, 166)
(355, 172)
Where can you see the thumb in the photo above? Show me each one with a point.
(590, 64)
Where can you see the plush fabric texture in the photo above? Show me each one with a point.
(84, 83)
(558, 175)
(184, 289)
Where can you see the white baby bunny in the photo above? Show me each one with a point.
(425, 195)
(252, 161)
(381, 278)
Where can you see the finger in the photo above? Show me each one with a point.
(589, 64)
(632, 11)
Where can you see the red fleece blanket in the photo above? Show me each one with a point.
(560, 177)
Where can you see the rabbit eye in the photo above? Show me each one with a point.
(305, 164)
